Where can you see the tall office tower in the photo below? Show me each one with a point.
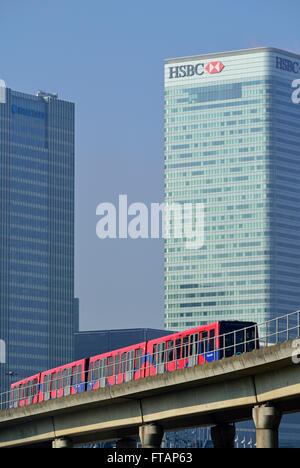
(233, 144)
(37, 232)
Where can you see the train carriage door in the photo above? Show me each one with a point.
(139, 372)
(47, 387)
(194, 350)
(177, 352)
(130, 366)
(14, 397)
(30, 391)
(185, 349)
(171, 364)
(123, 366)
(22, 393)
(103, 373)
(94, 375)
(111, 370)
(161, 354)
(58, 384)
(210, 356)
(80, 383)
(66, 381)
(117, 367)
(204, 344)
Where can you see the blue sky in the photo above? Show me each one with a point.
(107, 57)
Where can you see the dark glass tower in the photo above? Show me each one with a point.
(36, 232)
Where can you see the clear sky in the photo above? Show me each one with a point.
(107, 57)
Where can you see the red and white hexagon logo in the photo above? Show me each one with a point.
(214, 67)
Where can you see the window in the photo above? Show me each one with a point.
(212, 340)
(194, 344)
(58, 380)
(66, 378)
(154, 356)
(117, 364)
(185, 347)
(139, 354)
(161, 352)
(178, 348)
(53, 382)
(96, 371)
(103, 369)
(47, 383)
(130, 361)
(170, 355)
(204, 342)
(110, 366)
(123, 363)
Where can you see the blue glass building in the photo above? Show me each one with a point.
(37, 232)
(232, 143)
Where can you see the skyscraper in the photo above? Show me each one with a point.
(232, 143)
(37, 232)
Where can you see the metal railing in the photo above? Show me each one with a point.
(165, 359)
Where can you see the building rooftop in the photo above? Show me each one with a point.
(235, 52)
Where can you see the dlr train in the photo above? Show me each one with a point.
(188, 348)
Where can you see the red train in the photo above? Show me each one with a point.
(166, 354)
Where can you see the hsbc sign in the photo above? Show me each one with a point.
(199, 69)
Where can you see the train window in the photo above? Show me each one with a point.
(117, 364)
(154, 356)
(139, 354)
(161, 352)
(170, 351)
(74, 375)
(96, 370)
(47, 383)
(58, 380)
(123, 363)
(178, 348)
(194, 344)
(185, 347)
(130, 360)
(103, 368)
(79, 372)
(204, 342)
(212, 340)
(110, 366)
(65, 378)
(34, 387)
(22, 392)
(16, 395)
(53, 382)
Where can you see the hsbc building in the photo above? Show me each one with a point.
(232, 142)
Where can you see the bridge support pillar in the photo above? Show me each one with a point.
(267, 420)
(62, 443)
(223, 435)
(126, 443)
(151, 436)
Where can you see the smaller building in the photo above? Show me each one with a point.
(92, 343)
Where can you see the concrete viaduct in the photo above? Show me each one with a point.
(262, 384)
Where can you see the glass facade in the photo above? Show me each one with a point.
(232, 143)
(37, 233)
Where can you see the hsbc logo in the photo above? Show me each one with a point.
(199, 69)
(214, 67)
